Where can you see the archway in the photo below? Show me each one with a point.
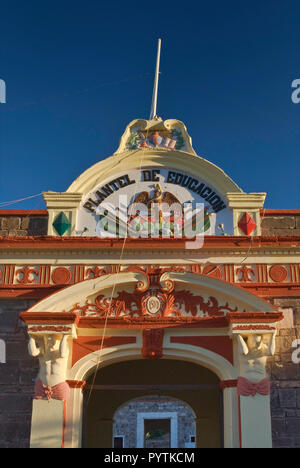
(114, 386)
(199, 322)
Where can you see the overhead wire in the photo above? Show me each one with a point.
(113, 289)
(13, 202)
(153, 104)
(247, 254)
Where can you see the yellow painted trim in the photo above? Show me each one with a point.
(154, 157)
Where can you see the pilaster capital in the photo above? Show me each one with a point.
(62, 200)
(246, 201)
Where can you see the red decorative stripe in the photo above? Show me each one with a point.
(9, 273)
(77, 384)
(44, 275)
(240, 421)
(64, 424)
(54, 328)
(253, 327)
(90, 243)
(263, 317)
(27, 213)
(45, 318)
(228, 384)
(279, 212)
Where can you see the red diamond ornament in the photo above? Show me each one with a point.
(247, 224)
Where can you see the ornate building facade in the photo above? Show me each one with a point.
(154, 278)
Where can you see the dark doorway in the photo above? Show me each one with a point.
(118, 442)
(157, 433)
(133, 382)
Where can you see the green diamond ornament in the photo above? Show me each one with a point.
(61, 223)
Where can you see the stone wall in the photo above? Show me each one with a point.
(36, 225)
(25, 225)
(285, 378)
(280, 226)
(126, 420)
(16, 377)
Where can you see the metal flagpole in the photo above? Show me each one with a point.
(155, 88)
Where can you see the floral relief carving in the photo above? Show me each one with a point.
(25, 275)
(153, 297)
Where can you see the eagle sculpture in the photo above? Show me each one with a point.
(158, 197)
(144, 220)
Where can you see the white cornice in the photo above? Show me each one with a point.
(59, 256)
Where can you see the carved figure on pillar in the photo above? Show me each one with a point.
(53, 352)
(253, 355)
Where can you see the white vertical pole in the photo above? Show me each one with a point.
(155, 89)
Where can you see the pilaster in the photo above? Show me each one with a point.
(246, 203)
(66, 203)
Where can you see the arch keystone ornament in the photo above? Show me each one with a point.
(153, 343)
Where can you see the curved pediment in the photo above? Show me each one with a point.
(133, 294)
(118, 164)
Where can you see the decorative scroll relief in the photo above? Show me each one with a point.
(42, 275)
(153, 303)
(157, 297)
(148, 134)
(167, 139)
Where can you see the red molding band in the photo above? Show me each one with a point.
(228, 384)
(90, 243)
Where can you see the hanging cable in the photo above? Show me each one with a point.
(246, 257)
(153, 114)
(12, 202)
(114, 287)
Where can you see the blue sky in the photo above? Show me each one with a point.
(78, 72)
